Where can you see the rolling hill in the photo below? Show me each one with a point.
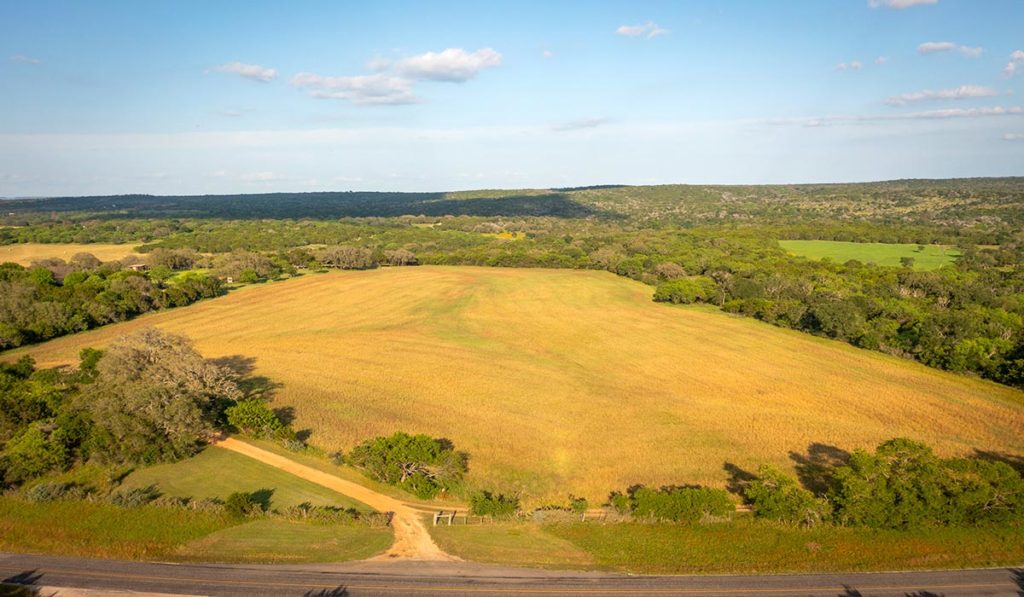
(560, 381)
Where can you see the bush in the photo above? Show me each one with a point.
(679, 504)
(242, 504)
(322, 514)
(904, 485)
(51, 492)
(620, 502)
(578, 505)
(31, 454)
(254, 417)
(486, 503)
(692, 289)
(293, 445)
(419, 464)
(779, 497)
(134, 498)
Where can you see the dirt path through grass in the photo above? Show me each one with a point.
(412, 541)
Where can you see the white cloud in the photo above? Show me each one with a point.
(1015, 63)
(899, 3)
(947, 114)
(452, 64)
(22, 59)
(933, 47)
(957, 93)
(852, 65)
(648, 30)
(261, 177)
(575, 125)
(547, 54)
(881, 60)
(1013, 137)
(253, 72)
(364, 90)
(930, 47)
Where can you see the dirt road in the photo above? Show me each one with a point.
(412, 541)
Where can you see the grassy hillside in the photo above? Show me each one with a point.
(217, 473)
(928, 258)
(26, 253)
(569, 381)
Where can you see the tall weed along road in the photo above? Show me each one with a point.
(412, 540)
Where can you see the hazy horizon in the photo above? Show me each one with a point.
(191, 98)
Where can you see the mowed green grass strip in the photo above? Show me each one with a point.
(559, 382)
(99, 530)
(217, 473)
(742, 547)
(928, 258)
(275, 541)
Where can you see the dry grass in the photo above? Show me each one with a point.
(565, 381)
(26, 253)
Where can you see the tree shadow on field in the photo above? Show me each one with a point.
(462, 458)
(1015, 461)
(739, 479)
(254, 387)
(286, 414)
(263, 497)
(816, 469)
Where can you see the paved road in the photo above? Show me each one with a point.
(448, 578)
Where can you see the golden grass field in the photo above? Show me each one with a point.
(559, 381)
(26, 253)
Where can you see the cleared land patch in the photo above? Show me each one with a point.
(562, 381)
(26, 253)
(926, 257)
(217, 473)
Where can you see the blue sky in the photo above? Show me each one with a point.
(220, 97)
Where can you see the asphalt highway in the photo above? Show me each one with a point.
(456, 578)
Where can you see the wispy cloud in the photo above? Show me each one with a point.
(947, 114)
(852, 65)
(547, 54)
(881, 60)
(899, 4)
(934, 47)
(253, 72)
(575, 125)
(1013, 137)
(364, 90)
(23, 59)
(454, 65)
(261, 177)
(1015, 63)
(957, 93)
(648, 30)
